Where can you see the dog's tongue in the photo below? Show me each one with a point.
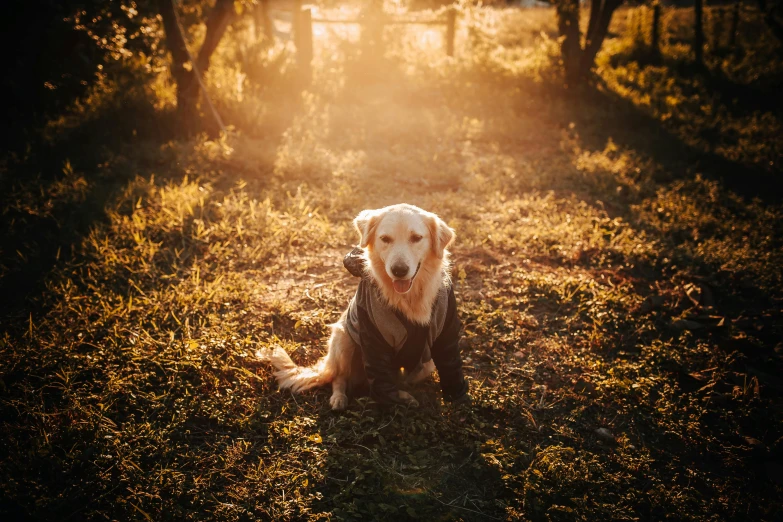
(402, 285)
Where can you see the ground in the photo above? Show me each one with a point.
(617, 269)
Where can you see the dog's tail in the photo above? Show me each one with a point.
(298, 378)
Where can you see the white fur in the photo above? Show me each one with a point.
(401, 225)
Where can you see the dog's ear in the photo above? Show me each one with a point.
(441, 235)
(366, 223)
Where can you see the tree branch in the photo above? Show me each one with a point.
(592, 22)
(187, 88)
(592, 47)
(174, 41)
(217, 23)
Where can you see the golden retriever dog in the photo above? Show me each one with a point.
(401, 324)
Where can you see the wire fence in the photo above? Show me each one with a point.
(296, 25)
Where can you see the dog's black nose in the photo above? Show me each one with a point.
(400, 270)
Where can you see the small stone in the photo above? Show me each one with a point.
(686, 324)
(604, 433)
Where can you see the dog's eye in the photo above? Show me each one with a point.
(386, 239)
(415, 238)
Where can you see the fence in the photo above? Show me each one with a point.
(300, 29)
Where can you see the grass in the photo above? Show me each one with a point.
(617, 270)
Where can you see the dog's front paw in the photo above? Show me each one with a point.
(339, 401)
(408, 399)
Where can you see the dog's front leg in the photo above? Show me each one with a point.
(409, 399)
(339, 399)
(341, 350)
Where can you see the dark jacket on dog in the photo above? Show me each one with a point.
(389, 341)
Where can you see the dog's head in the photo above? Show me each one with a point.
(402, 238)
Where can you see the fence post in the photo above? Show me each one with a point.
(451, 29)
(656, 30)
(640, 16)
(263, 22)
(698, 31)
(735, 18)
(295, 21)
(303, 39)
(718, 19)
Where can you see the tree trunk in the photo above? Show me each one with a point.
(772, 22)
(698, 31)
(182, 70)
(593, 45)
(655, 38)
(578, 61)
(570, 48)
(219, 19)
(595, 9)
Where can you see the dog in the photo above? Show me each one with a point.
(401, 324)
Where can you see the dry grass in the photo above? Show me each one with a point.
(620, 295)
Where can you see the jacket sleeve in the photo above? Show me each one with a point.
(445, 354)
(378, 355)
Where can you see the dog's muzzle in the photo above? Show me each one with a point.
(403, 286)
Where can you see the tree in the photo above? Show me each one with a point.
(183, 71)
(770, 19)
(578, 60)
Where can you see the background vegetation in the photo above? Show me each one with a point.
(618, 269)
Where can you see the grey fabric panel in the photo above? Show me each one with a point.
(351, 318)
(385, 320)
(438, 319)
(387, 323)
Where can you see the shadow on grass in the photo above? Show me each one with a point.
(396, 463)
(57, 191)
(602, 115)
(665, 403)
